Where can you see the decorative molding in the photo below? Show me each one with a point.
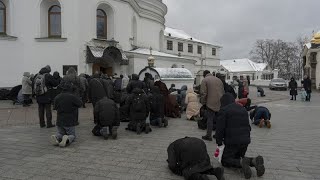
(8, 38)
(48, 39)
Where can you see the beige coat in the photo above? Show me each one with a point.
(211, 92)
(193, 108)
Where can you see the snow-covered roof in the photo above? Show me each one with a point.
(154, 53)
(177, 33)
(308, 45)
(242, 65)
(166, 73)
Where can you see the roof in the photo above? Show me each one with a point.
(98, 51)
(166, 73)
(242, 65)
(154, 53)
(177, 33)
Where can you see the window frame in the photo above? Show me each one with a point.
(170, 44)
(105, 18)
(199, 49)
(4, 18)
(190, 48)
(49, 21)
(214, 51)
(180, 47)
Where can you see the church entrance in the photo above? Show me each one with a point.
(103, 69)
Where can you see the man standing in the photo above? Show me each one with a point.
(44, 82)
(307, 86)
(211, 91)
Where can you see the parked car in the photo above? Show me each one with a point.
(278, 84)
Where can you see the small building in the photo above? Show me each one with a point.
(177, 76)
(245, 68)
(311, 56)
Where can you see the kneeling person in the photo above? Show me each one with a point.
(188, 157)
(157, 108)
(67, 106)
(261, 116)
(233, 130)
(138, 105)
(106, 116)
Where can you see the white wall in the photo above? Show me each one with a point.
(318, 71)
(78, 26)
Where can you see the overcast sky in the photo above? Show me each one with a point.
(237, 24)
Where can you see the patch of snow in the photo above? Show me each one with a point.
(177, 33)
(242, 65)
(154, 53)
(176, 73)
(308, 45)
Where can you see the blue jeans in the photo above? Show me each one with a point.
(156, 121)
(69, 131)
(262, 113)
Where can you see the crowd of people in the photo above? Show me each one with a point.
(149, 103)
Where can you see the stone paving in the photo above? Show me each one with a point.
(291, 148)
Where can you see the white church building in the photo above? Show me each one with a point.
(109, 36)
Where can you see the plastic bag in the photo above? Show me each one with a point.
(219, 152)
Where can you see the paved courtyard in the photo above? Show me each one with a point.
(291, 148)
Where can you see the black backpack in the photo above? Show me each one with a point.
(138, 104)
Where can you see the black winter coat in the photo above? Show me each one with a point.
(108, 87)
(96, 90)
(307, 85)
(137, 116)
(135, 83)
(293, 88)
(50, 82)
(106, 113)
(156, 104)
(188, 156)
(233, 123)
(67, 106)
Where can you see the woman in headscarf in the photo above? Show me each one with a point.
(293, 89)
(193, 105)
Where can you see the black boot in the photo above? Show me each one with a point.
(258, 163)
(207, 137)
(148, 128)
(165, 122)
(219, 172)
(245, 163)
(138, 128)
(114, 132)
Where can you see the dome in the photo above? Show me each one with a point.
(316, 38)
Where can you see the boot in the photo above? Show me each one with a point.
(165, 122)
(261, 123)
(207, 137)
(268, 124)
(258, 163)
(114, 132)
(104, 133)
(245, 163)
(219, 172)
(138, 128)
(148, 128)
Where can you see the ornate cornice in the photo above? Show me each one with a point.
(151, 9)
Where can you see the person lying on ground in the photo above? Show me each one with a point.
(188, 157)
(261, 116)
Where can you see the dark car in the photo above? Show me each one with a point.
(278, 84)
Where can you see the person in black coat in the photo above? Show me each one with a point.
(293, 89)
(139, 108)
(233, 130)
(96, 89)
(240, 89)
(156, 100)
(261, 116)
(135, 83)
(226, 86)
(307, 86)
(108, 86)
(261, 91)
(188, 157)
(106, 115)
(44, 100)
(67, 105)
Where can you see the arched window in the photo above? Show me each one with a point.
(2, 18)
(54, 21)
(101, 24)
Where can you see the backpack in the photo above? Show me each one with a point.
(40, 85)
(138, 104)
